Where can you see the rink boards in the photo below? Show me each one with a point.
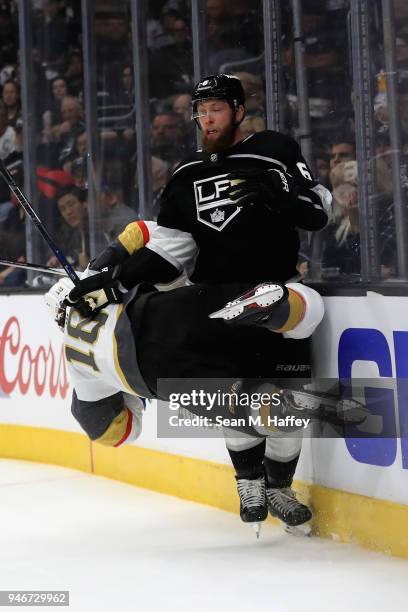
(358, 488)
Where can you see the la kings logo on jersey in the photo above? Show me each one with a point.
(214, 208)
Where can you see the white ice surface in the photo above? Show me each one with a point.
(118, 548)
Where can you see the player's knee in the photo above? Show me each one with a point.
(296, 315)
(282, 447)
(306, 310)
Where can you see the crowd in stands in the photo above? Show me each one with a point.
(234, 45)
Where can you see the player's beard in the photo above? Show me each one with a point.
(224, 140)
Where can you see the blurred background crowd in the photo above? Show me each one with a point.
(234, 45)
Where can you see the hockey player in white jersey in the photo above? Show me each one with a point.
(116, 357)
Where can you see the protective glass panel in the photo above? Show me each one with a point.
(355, 135)
(12, 227)
(171, 79)
(49, 65)
(236, 46)
(114, 163)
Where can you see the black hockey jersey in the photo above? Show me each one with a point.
(201, 228)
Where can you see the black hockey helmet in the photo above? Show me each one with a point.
(223, 86)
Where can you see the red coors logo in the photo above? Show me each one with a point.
(34, 369)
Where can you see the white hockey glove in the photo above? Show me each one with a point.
(55, 300)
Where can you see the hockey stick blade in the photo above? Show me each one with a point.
(25, 204)
(34, 267)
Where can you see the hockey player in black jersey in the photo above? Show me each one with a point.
(230, 213)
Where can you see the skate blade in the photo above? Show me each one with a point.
(263, 296)
(299, 531)
(317, 406)
(257, 528)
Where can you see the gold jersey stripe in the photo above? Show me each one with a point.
(265, 413)
(296, 312)
(116, 429)
(134, 236)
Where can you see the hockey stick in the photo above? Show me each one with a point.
(25, 204)
(30, 266)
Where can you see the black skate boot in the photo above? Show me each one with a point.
(253, 504)
(283, 504)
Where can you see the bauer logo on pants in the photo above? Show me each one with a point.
(214, 208)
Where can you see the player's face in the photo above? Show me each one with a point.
(217, 122)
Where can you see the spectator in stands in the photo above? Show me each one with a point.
(11, 101)
(78, 151)
(112, 44)
(53, 34)
(52, 116)
(254, 93)
(321, 155)
(160, 31)
(341, 251)
(79, 172)
(7, 134)
(14, 164)
(115, 215)
(342, 148)
(73, 235)
(65, 133)
(160, 177)
(39, 80)
(244, 26)
(125, 94)
(80, 143)
(252, 124)
(168, 139)
(381, 100)
(74, 73)
(50, 181)
(12, 235)
(171, 66)
(72, 118)
(182, 106)
(227, 35)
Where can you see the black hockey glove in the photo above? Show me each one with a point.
(271, 188)
(94, 292)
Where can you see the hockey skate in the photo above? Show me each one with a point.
(294, 515)
(326, 407)
(253, 503)
(254, 305)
